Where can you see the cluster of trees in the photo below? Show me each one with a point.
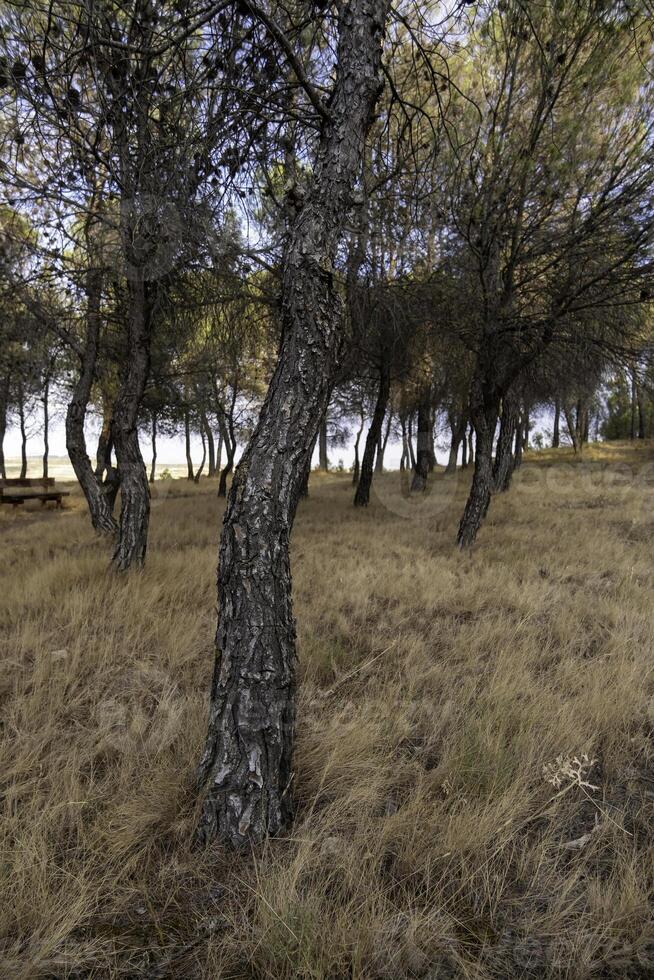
(283, 223)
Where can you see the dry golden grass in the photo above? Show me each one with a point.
(440, 830)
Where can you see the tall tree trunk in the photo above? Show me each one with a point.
(246, 767)
(304, 488)
(430, 440)
(134, 488)
(556, 431)
(484, 404)
(362, 494)
(526, 428)
(383, 442)
(187, 444)
(404, 458)
(357, 464)
(46, 427)
(504, 461)
(153, 465)
(219, 452)
(572, 427)
(323, 459)
(412, 458)
(424, 444)
(23, 432)
(196, 478)
(464, 451)
(103, 451)
(211, 449)
(4, 403)
(634, 404)
(229, 465)
(471, 444)
(458, 425)
(641, 416)
(99, 503)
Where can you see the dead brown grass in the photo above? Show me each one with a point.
(436, 690)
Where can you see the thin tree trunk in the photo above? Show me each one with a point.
(196, 478)
(362, 494)
(104, 441)
(504, 460)
(187, 445)
(424, 444)
(46, 428)
(556, 432)
(383, 442)
(641, 416)
(464, 451)
(153, 465)
(483, 411)
(458, 428)
(471, 444)
(219, 452)
(412, 458)
(634, 404)
(357, 465)
(23, 433)
(246, 768)
(526, 429)
(304, 488)
(4, 403)
(100, 504)
(323, 459)
(134, 488)
(211, 449)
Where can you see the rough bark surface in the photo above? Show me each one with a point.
(483, 410)
(134, 488)
(100, 506)
(246, 769)
(362, 494)
(424, 448)
(504, 461)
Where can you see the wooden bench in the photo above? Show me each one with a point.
(47, 492)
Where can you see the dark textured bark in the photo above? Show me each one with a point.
(323, 458)
(134, 488)
(504, 459)
(46, 428)
(356, 472)
(103, 452)
(424, 448)
(4, 403)
(229, 465)
(246, 767)
(556, 431)
(483, 410)
(23, 433)
(404, 458)
(471, 444)
(381, 446)
(187, 445)
(99, 503)
(458, 425)
(219, 452)
(362, 494)
(517, 455)
(211, 448)
(153, 464)
(464, 452)
(526, 423)
(412, 458)
(196, 478)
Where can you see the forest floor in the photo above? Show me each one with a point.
(474, 775)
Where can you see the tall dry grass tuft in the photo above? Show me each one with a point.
(475, 764)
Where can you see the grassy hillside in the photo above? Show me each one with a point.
(475, 762)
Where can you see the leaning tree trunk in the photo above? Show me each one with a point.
(211, 448)
(362, 494)
(4, 404)
(153, 464)
(483, 411)
(227, 469)
(425, 449)
(196, 478)
(246, 768)
(134, 489)
(356, 472)
(187, 445)
(556, 430)
(458, 428)
(504, 462)
(23, 434)
(100, 506)
(323, 458)
(46, 429)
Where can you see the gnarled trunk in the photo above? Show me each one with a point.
(504, 462)
(246, 767)
(425, 449)
(134, 489)
(362, 495)
(99, 504)
(484, 404)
